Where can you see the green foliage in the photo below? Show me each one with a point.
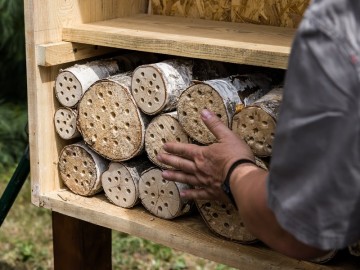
(13, 138)
(12, 51)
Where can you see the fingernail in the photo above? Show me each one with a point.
(165, 174)
(158, 157)
(205, 114)
(182, 194)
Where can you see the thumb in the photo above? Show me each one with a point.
(214, 124)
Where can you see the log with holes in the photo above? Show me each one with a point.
(224, 220)
(121, 181)
(162, 197)
(80, 169)
(157, 87)
(220, 96)
(109, 120)
(163, 128)
(65, 123)
(73, 82)
(355, 249)
(256, 123)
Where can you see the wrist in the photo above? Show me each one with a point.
(226, 183)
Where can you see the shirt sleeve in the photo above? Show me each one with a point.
(314, 180)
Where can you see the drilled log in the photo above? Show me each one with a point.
(164, 128)
(73, 82)
(256, 123)
(65, 123)
(325, 258)
(121, 181)
(220, 96)
(224, 220)
(110, 121)
(80, 169)
(156, 87)
(355, 249)
(161, 197)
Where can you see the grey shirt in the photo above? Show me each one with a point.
(314, 180)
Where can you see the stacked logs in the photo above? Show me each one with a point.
(122, 121)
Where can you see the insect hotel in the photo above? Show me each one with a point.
(111, 81)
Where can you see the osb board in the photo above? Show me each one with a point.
(286, 13)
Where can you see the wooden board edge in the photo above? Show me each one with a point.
(58, 53)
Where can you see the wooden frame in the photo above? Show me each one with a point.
(117, 24)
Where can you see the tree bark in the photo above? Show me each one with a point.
(80, 169)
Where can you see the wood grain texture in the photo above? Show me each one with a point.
(44, 21)
(286, 13)
(228, 42)
(188, 234)
(57, 53)
(80, 245)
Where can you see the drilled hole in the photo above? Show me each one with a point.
(117, 104)
(172, 127)
(75, 168)
(101, 95)
(128, 191)
(171, 193)
(155, 152)
(152, 136)
(98, 117)
(110, 190)
(127, 124)
(109, 179)
(207, 204)
(119, 188)
(150, 104)
(154, 75)
(70, 79)
(157, 87)
(161, 126)
(153, 194)
(61, 92)
(166, 204)
(195, 109)
(162, 192)
(68, 175)
(226, 225)
(60, 84)
(128, 138)
(215, 215)
(199, 92)
(91, 124)
(142, 88)
(178, 139)
(138, 80)
(124, 199)
(85, 163)
(68, 88)
(146, 192)
(219, 115)
(115, 128)
(159, 208)
(117, 197)
(184, 113)
(142, 100)
(127, 111)
(116, 178)
(126, 180)
(211, 102)
(142, 74)
(136, 90)
(113, 115)
(153, 203)
(147, 184)
(163, 140)
(110, 93)
(151, 83)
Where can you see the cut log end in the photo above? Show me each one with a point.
(162, 129)
(68, 89)
(110, 122)
(119, 185)
(191, 103)
(149, 90)
(159, 196)
(257, 128)
(65, 123)
(78, 170)
(224, 220)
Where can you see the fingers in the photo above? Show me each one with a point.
(181, 177)
(177, 162)
(215, 125)
(185, 150)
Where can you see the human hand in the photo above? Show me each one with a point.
(205, 166)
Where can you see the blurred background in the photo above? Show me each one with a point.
(25, 236)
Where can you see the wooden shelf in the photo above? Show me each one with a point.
(222, 41)
(188, 234)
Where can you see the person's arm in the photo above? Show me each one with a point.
(207, 166)
(248, 184)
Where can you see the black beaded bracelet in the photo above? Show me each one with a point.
(226, 184)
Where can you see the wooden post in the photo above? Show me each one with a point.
(80, 245)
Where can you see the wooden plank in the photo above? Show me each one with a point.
(79, 244)
(188, 234)
(57, 53)
(44, 21)
(222, 41)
